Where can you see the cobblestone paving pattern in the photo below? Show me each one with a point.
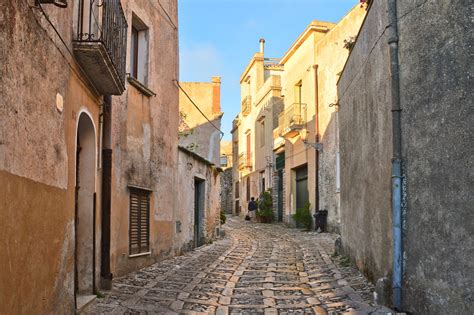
(255, 269)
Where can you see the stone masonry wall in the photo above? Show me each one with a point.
(144, 140)
(226, 191)
(366, 148)
(436, 80)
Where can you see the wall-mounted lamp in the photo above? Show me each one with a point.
(304, 137)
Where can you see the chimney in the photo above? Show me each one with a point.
(216, 95)
(262, 44)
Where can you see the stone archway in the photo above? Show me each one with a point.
(84, 214)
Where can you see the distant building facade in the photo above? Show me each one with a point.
(199, 206)
(227, 195)
(204, 137)
(306, 138)
(261, 102)
(406, 134)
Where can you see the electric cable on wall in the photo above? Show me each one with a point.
(197, 107)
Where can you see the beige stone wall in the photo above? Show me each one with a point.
(263, 86)
(330, 58)
(144, 141)
(189, 168)
(314, 61)
(204, 136)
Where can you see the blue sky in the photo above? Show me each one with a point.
(218, 37)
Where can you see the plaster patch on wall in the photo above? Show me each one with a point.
(64, 285)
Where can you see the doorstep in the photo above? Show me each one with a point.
(83, 300)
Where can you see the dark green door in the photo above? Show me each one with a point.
(280, 195)
(302, 195)
(198, 211)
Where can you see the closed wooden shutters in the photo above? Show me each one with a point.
(139, 221)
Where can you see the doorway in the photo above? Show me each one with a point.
(84, 267)
(280, 195)
(302, 195)
(199, 190)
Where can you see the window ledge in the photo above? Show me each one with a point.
(140, 86)
(139, 255)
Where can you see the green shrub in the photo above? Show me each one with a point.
(265, 206)
(303, 216)
(223, 217)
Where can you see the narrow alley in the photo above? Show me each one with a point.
(254, 269)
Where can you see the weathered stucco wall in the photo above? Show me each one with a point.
(330, 57)
(438, 136)
(191, 167)
(144, 140)
(366, 148)
(37, 158)
(204, 136)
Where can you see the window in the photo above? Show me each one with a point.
(139, 221)
(262, 132)
(223, 161)
(298, 92)
(262, 182)
(139, 51)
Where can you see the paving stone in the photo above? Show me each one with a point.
(256, 269)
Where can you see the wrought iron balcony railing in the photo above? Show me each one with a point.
(245, 161)
(246, 105)
(292, 120)
(101, 44)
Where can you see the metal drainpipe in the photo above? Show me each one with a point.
(316, 128)
(397, 157)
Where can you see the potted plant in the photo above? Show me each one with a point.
(265, 207)
(303, 216)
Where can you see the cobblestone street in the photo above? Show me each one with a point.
(255, 269)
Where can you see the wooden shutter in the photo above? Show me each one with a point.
(139, 221)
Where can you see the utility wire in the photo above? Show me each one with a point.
(169, 17)
(197, 107)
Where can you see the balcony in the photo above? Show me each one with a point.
(292, 120)
(246, 105)
(100, 46)
(278, 141)
(245, 161)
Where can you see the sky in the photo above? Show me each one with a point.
(218, 38)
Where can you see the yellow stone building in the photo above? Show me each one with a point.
(252, 131)
(286, 135)
(306, 139)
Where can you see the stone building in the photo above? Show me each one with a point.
(261, 102)
(406, 134)
(306, 137)
(227, 195)
(85, 175)
(197, 219)
(198, 215)
(204, 137)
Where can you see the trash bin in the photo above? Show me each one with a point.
(321, 219)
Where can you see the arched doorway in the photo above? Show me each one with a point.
(85, 212)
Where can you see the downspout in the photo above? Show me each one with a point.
(316, 132)
(397, 157)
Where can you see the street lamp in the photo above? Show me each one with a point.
(304, 133)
